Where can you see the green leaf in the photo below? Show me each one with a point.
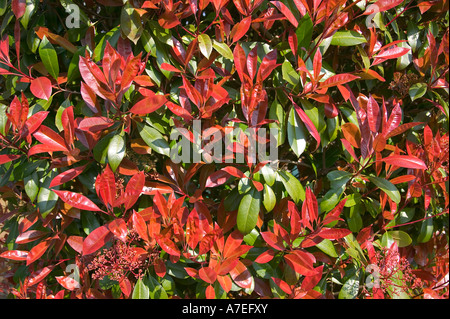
(49, 57)
(141, 291)
(205, 45)
(116, 150)
(276, 112)
(269, 198)
(350, 289)
(154, 139)
(386, 187)
(347, 38)
(304, 34)
(292, 186)
(402, 238)
(32, 185)
(156, 291)
(296, 133)
(327, 247)
(426, 230)
(89, 222)
(223, 49)
(131, 23)
(101, 149)
(289, 74)
(417, 90)
(46, 199)
(248, 211)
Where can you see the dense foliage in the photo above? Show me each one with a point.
(95, 204)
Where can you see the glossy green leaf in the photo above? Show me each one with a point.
(292, 186)
(223, 49)
(417, 90)
(205, 45)
(248, 211)
(49, 57)
(350, 288)
(140, 291)
(347, 38)
(154, 139)
(386, 187)
(116, 150)
(296, 133)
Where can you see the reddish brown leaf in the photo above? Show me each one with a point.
(95, 124)
(301, 262)
(132, 191)
(352, 134)
(168, 246)
(76, 242)
(29, 236)
(241, 276)
(283, 285)
(140, 226)
(15, 254)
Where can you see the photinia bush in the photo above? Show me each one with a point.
(224, 149)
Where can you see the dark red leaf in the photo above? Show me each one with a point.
(95, 124)
(5, 158)
(15, 254)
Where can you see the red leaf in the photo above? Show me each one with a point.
(76, 242)
(149, 104)
(227, 265)
(405, 161)
(41, 88)
(132, 191)
(300, 262)
(39, 275)
(333, 233)
(160, 267)
(310, 210)
(15, 254)
(273, 240)
(207, 274)
(37, 251)
(241, 276)
(268, 64)
(96, 240)
(168, 67)
(68, 282)
(283, 285)
(338, 79)
(125, 287)
(308, 123)
(311, 281)
(390, 54)
(285, 10)
(77, 200)
(239, 61)
(242, 28)
(402, 128)
(296, 222)
(119, 228)
(168, 246)
(30, 236)
(140, 226)
(35, 121)
(5, 158)
(105, 186)
(217, 178)
(210, 293)
(95, 124)
(373, 114)
(131, 70)
(51, 139)
(67, 176)
(168, 20)
(381, 6)
(68, 123)
(265, 257)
